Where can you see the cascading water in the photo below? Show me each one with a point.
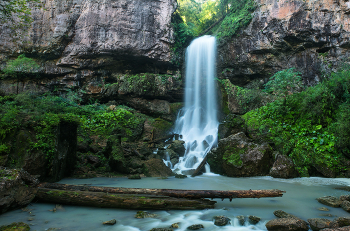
(197, 122)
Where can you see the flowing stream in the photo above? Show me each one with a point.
(197, 122)
(299, 200)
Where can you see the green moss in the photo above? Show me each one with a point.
(16, 226)
(232, 155)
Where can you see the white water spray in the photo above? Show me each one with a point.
(197, 122)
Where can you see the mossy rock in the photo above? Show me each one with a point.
(16, 226)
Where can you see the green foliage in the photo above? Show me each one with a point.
(20, 68)
(284, 83)
(311, 126)
(43, 113)
(239, 16)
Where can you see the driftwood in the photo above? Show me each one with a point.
(177, 193)
(199, 168)
(122, 201)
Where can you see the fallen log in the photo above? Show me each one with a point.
(177, 193)
(122, 201)
(199, 168)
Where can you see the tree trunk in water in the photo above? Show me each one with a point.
(122, 201)
(177, 193)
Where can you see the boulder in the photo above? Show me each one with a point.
(342, 221)
(254, 220)
(283, 214)
(330, 201)
(286, 224)
(221, 220)
(237, 156)
(178, 147)
(283, 167)
(320, 223)
(157, 168)
(145, 214)
(241, 219)
(17, 189)
(345, 205)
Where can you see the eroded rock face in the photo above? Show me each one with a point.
(17, 189)
(237, 156)
(89, 33)
(309, 35)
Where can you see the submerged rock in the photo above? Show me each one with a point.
(330, 201)
(145, 214)
(195, 227)
(180, 176)
(111, 222)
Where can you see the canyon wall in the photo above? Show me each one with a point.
(311, 35)
(84, 42)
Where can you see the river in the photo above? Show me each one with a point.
(299, 200)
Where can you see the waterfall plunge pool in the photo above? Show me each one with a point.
(298, 200)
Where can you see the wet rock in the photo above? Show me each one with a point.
(188, 171)
(221, 220)
(161, 229)
(320, 223)
(134, 177)
(254, 220)
(145, 214)
(237, 156)
(283, 214)
(323, 209)
(195, 227)
(175, 226)
(180, 176)
(111, 222)
(345, 205)
(283, 167)
(16, 226)
(342, 221)
(17, 189)
(241, 219)
(157, 168)
(344, 198)
(347, 228)
(330, 201)
(286, 224)
(178, 147)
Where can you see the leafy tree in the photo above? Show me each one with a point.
(20, 68)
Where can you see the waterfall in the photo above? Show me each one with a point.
(197, 122)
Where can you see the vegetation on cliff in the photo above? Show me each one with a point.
(222, 18)
(310, 126)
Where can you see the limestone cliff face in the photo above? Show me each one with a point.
(75, 35)
(311, 35)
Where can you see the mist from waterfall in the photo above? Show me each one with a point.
(197, 122)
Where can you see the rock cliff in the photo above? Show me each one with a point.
(79, 41)
(312, 36)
